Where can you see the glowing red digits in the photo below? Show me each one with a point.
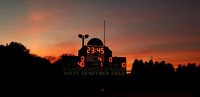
(82, 63)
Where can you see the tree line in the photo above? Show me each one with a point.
(155, 67)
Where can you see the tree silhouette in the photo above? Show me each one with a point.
(190, 68)
(148, 67)
(170, 68)
(135, 67)
(22, 69)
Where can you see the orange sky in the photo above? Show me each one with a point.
(166, 30)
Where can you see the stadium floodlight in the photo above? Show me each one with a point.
(83, 37)
(80, 35)
(86, 36)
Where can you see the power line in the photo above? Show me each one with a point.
(98, 29)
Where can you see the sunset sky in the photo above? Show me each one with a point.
(164, 29)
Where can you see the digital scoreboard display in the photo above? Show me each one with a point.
(95, 54)
(93, 50)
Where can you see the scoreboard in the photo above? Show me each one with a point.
(95, 59)
(95, 54)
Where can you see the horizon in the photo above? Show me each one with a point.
(165, 30)
(128, 69)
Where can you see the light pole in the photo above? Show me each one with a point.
(83, 37)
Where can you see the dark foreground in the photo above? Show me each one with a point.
(173, 85)
(139, 94)
(170, 85)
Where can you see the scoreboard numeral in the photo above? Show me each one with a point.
(102, 51)
(88, 50)
(82, 63)
(100, 59)
(98, 50)
(110, 59)
(123, 64)
(92, 50)
(82, 59)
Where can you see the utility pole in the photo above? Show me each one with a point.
(104, 32)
